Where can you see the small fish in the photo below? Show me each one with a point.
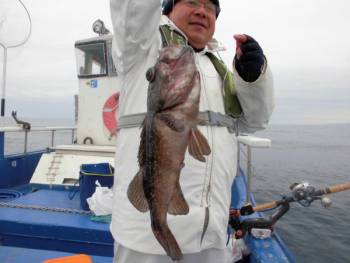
(169, 129)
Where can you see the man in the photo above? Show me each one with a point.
(201, 233)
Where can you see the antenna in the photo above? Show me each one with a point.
(7, 46)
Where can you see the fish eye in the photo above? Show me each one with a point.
(150, 74)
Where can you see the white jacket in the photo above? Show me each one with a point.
(206, 186)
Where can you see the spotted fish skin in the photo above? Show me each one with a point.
(169, 129)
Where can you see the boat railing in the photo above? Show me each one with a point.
(251, 142)
(51, 129)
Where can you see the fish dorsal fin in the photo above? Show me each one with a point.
(178, 204)
(172, 122)
(198, 145)
(136, 194)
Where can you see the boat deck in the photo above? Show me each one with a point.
(45, 221)
(20, 255)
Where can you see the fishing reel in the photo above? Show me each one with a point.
(304, 193)
(251, 224)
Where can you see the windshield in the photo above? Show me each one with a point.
(91, 59)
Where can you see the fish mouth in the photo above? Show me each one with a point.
(186, 53)
(173, 54)
(182, 57)
(177, 66)
(182, 64)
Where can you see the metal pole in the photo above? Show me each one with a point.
(72, 135)
(25, 141)
(52, 137)
(3, 94)
(238, 148)
(76, 106)
(249, 173)
(2, 145)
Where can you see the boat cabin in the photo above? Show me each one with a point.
(97, 108)
(98, 91)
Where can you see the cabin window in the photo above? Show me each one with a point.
(91, 59)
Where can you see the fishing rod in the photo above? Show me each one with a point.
(303, 193)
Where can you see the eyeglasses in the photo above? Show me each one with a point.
(209, 6)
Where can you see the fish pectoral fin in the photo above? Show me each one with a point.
(198, 145)
(136, 194)
(178, 204)
(173, 123)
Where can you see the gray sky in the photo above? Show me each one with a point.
(307, 44)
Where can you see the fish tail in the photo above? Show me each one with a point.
(167, 240)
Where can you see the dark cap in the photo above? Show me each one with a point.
(167, 6)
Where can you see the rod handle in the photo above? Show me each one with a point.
(265, 206)
(338, 188)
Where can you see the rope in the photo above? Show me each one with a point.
(45, 209)
(7, 194)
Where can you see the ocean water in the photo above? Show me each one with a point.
(319, 154)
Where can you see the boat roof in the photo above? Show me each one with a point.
(94, 39)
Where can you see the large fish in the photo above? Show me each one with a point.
(169, 128)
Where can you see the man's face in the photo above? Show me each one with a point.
(197, 22)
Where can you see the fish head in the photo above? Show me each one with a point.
(172, 78)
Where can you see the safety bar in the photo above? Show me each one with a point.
(53, 129)
(252, 142)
